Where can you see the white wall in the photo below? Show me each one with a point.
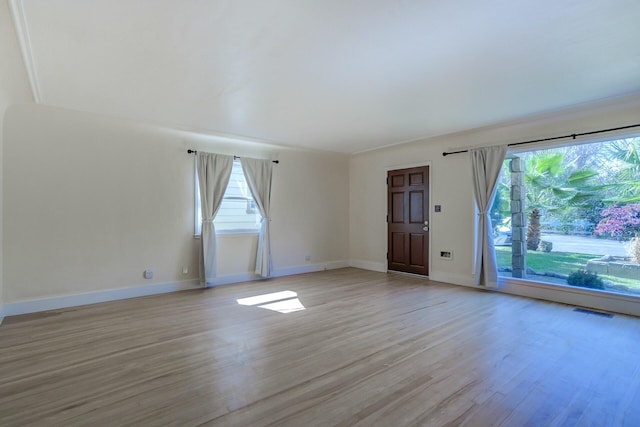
(450, 229)
(14, 88)
(451, 183)
(91, 201)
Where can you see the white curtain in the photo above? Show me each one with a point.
(258, 175)
(214, 171)
(486, 164)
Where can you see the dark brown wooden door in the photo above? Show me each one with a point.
(408, 220)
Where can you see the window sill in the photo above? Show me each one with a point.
(565, 294)
(236, 232)
(232, 233)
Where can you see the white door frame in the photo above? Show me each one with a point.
(386, 224)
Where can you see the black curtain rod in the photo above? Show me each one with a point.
(553, 138)
(190, 151)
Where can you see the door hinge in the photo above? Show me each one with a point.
(387, 180)
(387, 256)
(387, 218)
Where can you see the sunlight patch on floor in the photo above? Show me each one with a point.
(261, 299)
(286, 306)
(282, 302)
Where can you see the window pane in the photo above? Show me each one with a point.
(571, 216)
(238, 210)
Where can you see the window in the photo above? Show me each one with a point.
(238, 212)
(571, 216)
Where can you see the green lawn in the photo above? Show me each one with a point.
(559, 262)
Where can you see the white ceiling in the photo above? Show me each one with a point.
(340, 75)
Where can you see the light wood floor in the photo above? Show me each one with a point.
(370, 349)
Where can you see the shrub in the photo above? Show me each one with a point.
(585, 279)
(621, 222)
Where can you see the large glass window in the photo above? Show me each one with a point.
(238, 212)
(571, 216)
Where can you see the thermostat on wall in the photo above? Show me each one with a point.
(448, 255)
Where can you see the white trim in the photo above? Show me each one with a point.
(230, 279)
(584, 140)
(409, 166)
(309, 268)
(565, 140)
(380, 267)
(52, 303)
(386, 188)
(24, 39)
(280, 272)
(454, 278)
(73, 300)
(237, 232)
(541, 118)
(231, 233)
(607, 301)
(600, 300)
(581, 297)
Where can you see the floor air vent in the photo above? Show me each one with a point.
(596, 313)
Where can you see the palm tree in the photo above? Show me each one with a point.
(626, 153)
(533, 231)
(554, 183)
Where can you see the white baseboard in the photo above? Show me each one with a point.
(309, 268)
(230, 279)
(52, 303)
(380, 267)
(453, 278)
(618, 303)
(279, 272)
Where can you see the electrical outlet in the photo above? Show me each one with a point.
(185, 269)
(148, 274)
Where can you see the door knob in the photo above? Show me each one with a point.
(425, 228)
(426, 223)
